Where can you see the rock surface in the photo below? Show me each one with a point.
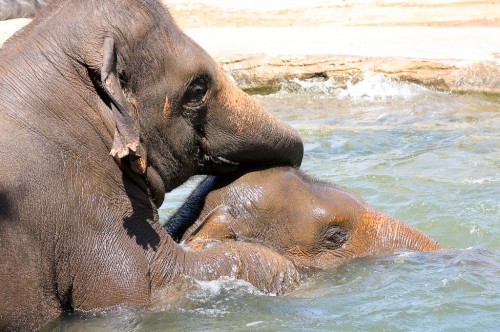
(448, 45)
(450, 59)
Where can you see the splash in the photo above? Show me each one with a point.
(217, 298)
(312, 85)
(224, 285)
(367, 87)
(375, 86)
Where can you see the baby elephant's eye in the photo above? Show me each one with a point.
(335, 237)
(196, 91)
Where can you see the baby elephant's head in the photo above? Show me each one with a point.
(311, 222)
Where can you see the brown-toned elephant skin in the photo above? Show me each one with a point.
(313, 223)
(106, 105)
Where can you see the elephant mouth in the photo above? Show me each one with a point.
(223, 166)
(156, 186)
(218, 165)
(151, 184)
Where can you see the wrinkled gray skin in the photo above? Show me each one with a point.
(19, 8)
(79, 227)
(312, 223)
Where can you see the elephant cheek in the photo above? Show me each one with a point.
(331, 259)
(306, 260)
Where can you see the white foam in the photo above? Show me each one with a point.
(474, 229)
(213, 288)
(371, 87)
(256, 323)
(315, 85)
(488, 179)
(375, 86)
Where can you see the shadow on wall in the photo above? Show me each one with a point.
(19, 8)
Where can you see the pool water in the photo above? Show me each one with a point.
(429, 158)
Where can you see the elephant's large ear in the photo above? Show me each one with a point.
(126, 137)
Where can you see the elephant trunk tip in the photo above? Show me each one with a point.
(292, 150)
(424, 244)
(396, 234)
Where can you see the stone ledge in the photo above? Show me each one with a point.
(260, 73)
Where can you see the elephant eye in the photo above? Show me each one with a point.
(335, 237)
(196, 92)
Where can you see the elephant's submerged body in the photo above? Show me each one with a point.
(79, 228)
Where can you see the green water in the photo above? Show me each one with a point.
(431, 159)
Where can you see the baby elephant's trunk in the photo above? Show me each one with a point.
(388, 234)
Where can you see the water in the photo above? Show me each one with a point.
(429, 158)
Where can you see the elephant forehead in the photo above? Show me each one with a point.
(319, 211)
(190, 63)
(244, 197)
(245, 192)
(340, 199)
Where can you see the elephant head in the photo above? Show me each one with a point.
(313, 223)
(176, 112)
(168, 109)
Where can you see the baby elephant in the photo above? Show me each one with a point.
(313, 223)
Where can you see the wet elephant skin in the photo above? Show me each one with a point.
(313, 223)
(106, 105)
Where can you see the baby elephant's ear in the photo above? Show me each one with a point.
(126, 137)
(217, 226)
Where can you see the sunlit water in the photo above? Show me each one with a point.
(429, 158)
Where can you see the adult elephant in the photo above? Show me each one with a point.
(311, 223)
(105, 105)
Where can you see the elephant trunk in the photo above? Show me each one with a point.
(243, 132)
(388, 234)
